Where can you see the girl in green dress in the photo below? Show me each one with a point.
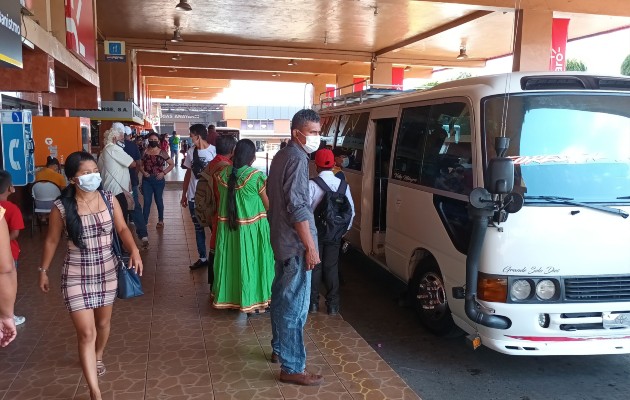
(243, 263)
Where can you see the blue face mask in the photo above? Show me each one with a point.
(90, 182)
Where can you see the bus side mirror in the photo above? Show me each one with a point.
(500, 175)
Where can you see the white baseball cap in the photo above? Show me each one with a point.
(127, 130)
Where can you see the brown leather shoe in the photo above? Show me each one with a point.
(275, 359)
(304, 378)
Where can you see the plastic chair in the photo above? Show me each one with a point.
(44, 194)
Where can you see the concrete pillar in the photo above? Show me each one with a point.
(345, 80)
(319, 87)
(381, 74)
(115, 77)
(533, 40)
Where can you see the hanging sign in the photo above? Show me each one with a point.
(10, 34)
(115, 51)
(559, 37)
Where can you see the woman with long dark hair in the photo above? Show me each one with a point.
(243, 263)
(88, 278)
(155, 164)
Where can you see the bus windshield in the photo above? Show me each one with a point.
(569, 145)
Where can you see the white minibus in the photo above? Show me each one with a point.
(502, 201)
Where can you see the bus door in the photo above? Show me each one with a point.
(384, 137)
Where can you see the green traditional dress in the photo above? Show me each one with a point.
(243, 261)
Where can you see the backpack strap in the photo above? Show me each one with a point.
(343, 185)
(320, 182)
(195, 154)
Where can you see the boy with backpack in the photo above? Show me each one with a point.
(333, 208)
(197, 158)
(207, 193)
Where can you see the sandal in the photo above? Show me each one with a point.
(160, 224)
(100, 368)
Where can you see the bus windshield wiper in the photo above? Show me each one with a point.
(569, 200)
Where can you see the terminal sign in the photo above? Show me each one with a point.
(10, 34)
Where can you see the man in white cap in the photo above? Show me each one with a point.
(136, 214)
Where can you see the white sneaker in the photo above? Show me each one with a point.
(145, 242)
(19, 320)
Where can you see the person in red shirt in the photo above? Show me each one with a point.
(225, 149)
(14, 219)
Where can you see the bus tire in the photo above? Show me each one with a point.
(429, 299)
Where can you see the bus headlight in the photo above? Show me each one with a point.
(521, 289)
(545, 289)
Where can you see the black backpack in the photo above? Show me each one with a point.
(333, 213)
(197, 166)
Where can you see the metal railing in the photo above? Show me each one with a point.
(371, 92)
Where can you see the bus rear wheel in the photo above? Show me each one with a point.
(430, 301)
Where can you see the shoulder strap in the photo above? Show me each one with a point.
(320, 182)
(195, 153)
(343, 185)
(115, 242)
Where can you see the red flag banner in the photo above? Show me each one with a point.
(80, 32)
(559, 37)
(398, 74)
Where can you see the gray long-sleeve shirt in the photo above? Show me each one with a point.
(289, 201)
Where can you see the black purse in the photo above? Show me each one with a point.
(129, 284)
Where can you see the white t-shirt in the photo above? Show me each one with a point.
(113, 164)
(206, 155)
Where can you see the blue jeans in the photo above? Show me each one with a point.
(153, 187)
(175, 155)
(290, 294)
(137, 216)
(200, 233)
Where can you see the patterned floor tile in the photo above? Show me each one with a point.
(171, 344)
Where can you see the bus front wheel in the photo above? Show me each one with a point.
(429, 299)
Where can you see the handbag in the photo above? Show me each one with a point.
(129, 284)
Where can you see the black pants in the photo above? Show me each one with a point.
(329, 268)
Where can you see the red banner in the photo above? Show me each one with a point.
(559, 37)
(398, 74)
(80, 33)
(359, 84)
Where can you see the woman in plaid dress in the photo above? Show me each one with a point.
(88, 278)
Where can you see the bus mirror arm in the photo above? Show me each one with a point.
(481, 217)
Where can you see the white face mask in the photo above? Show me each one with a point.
(90, 182)
(345, 161)
(312, 143)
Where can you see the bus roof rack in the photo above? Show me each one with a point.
(370, 92)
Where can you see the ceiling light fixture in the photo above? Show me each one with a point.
(462, 53)
(407, 68)
(292, 62)
(275, 74)
(177, 36)
(195, 88)
(172, 70)
(176, 57)
(183, 6)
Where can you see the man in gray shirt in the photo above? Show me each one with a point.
(294, 242)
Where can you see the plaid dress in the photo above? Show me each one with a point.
(88, 277)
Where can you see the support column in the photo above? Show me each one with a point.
(345, 80)
(381, 74)
(319, 86)
(532, 40)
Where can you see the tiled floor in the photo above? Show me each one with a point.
(170, 344)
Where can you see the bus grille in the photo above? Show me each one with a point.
(602, 288)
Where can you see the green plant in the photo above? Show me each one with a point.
(463, 75)
(625, 66)
(574, 64)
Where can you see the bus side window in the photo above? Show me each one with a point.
(447, 157)
(351, 138)
(410, 144)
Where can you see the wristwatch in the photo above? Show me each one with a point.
(44, 270)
